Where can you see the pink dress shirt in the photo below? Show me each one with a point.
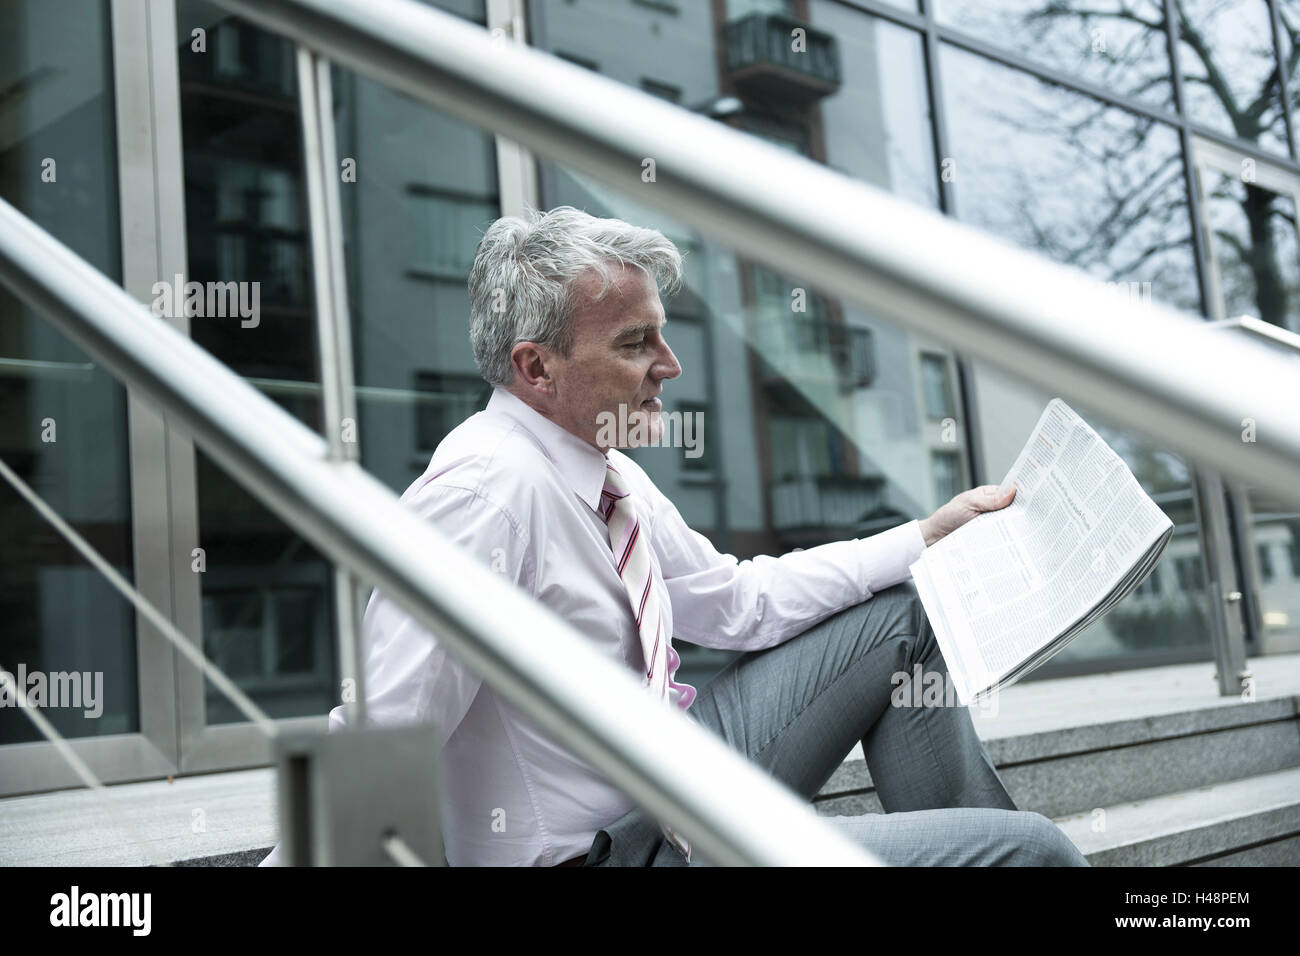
(520, 493)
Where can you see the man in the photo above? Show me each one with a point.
(567, 325)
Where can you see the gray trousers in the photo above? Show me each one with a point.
(799, 708)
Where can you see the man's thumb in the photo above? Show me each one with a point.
(996, 493)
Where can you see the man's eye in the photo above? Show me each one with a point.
(635, 345)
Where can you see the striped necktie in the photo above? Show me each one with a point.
(629, 540)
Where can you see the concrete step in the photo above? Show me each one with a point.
(1075, 769)
(1071, 745)
(1254, 821)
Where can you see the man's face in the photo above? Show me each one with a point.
(617, 365)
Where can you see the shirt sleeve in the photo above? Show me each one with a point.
(721, 602)
(410, 676)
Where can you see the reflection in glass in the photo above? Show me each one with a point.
(1102, 189)
(1253, 245)
(426, 192)
(1118, 45)
(938, 387)
(1229, 69)
(1288, 12)
(267, 605)
(245, 221)
(1272, 618)
(63, 426)
(878, 125)
(266, 595)
(1276, 532)
(1089, 185)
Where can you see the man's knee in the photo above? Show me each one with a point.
(1040, 842)
(910, 621)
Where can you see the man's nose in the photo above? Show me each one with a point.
(668, 362)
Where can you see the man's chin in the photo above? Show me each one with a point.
(631, 428)
(644, 427)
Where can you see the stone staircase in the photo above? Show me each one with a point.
(1144, 768)
(1140, 768)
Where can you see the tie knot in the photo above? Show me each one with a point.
(615, 490)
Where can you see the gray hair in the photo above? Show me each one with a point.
(521, 287)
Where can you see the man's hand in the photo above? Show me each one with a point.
(962, 508)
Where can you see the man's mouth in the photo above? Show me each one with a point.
(652, 405)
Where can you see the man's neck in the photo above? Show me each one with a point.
(541, 409)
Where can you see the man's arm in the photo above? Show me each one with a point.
(719, 601)
(410, 676)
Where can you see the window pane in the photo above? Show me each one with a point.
(1265, 550)
(1277, 537)
(1117, 45)
(947, 475)
(246, 224)
(1229, 68)
(258, 574)
(63, 426)
(1089, 185)
(878, 126)
(1253, 243)
(425, 192)
(244, 212)
(938, 390)
(1104, 190)
(1289, 17)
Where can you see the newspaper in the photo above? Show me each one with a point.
(1010, 588)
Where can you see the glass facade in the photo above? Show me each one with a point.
(63, 422)
(1115, 45)
(1158, 157)
(267, 596)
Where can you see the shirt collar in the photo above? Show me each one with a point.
(582, 466)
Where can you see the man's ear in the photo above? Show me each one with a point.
(531, 363)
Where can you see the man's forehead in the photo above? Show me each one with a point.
(623, 279)
(631, 298)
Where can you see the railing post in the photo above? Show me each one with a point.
(1226, 634)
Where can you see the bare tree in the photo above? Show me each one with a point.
(1251, 115)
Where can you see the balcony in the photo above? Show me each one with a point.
(851, 349)
(826, 501)
(762, 59)
(811, 349)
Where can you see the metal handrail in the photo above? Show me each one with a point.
(731, 810)
(1267, 331)
(1147, 366)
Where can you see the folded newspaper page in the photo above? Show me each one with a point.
(1010, 588)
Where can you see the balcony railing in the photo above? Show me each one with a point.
(768, 55)
(851, 349)
(825, 501)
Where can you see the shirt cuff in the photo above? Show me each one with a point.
(888, 556)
